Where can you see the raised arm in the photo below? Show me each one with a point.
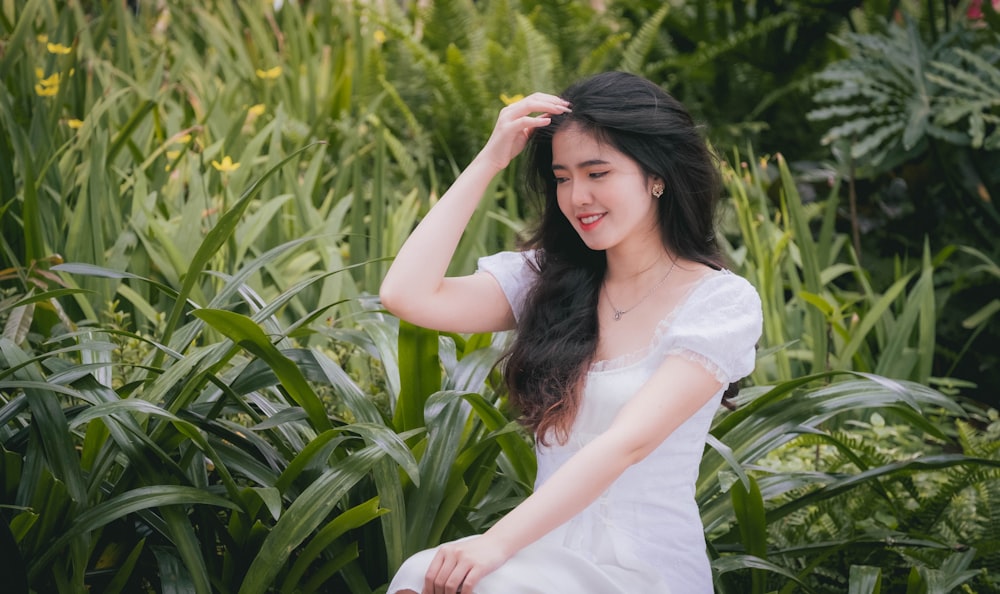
(416, 288)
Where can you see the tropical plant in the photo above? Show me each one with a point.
(198, 393)
(787, 487)
(742, 67)
(822, 312)
(914, 127)
(790, 504)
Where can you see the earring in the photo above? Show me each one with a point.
(657, 190)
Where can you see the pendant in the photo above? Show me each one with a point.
(618, 314)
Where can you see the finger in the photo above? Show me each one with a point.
(471, 579)
(455, 582)
(548, 97)
(440, 568)
(537, 104)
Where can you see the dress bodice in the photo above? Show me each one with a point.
(648, 517)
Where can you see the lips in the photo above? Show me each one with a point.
(588, 222)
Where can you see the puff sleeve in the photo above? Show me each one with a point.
(719, 326)
(516, 272)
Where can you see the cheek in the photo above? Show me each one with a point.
(563, 200)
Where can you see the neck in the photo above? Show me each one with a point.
(632, 266)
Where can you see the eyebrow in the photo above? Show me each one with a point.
(581, 165)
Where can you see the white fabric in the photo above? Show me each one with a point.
(515, 271)
(644, 534)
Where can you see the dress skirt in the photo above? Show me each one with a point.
(543, 567)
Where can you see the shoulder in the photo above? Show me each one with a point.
(719, 286)
(720, 323)
(723, 300)
(509, 260)
(515, 272)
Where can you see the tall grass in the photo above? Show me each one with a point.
(198, 392)
(821, 310)
(836, 354)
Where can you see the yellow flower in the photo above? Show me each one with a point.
(75, 124)
(226, 166)
(379, 36)
(270, 73)
(173, 154)
(52, 81)
(182, 139)
(257, 110)
(42, 38)
(46, 87)
(58, 48)
(508, 100)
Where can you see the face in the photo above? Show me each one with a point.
(603, 192)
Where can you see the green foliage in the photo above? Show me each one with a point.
(743, 67)
(875, 494)
(894, 94)
(913, 124)
(198, 392)
(821, 312)
(831, 500)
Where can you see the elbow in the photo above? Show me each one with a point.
(633, 447)
(400, 300)
(637, 453)
(390, 298)
(627, 449)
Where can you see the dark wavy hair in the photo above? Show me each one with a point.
(556, 338)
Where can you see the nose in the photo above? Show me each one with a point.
(579, 194)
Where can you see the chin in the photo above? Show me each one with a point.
(597, 246)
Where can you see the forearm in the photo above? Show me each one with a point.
(577, 483)
(422, 262)
(677, 390)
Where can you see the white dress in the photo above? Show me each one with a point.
(644, 534)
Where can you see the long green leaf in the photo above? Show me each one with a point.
(248, 335)
(355, 517)
(214, 241)
(865, 579)
(749, 509)
(419, 372)
(304, 517)
(118, 507)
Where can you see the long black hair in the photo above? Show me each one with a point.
(557, 334)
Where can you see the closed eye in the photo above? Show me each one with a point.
(560, 180)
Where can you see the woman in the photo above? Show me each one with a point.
(629, 332)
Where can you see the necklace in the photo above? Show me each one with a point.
(618, 313)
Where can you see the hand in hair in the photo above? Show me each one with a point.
(515, 124)
(415, 288)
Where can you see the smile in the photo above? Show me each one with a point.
(589, 221)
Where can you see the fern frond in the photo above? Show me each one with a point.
(640, 45)
(541, 59)
(857, 127)
(836, 111)
(448, 22)
(500, 21)
(595, 60)
(740, 38)
(970, 83)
